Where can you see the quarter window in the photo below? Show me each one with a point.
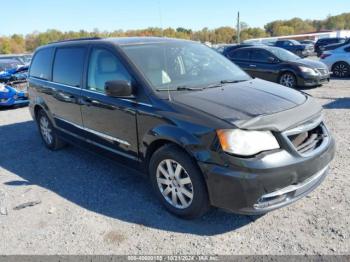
(68, 66)
(104, 66)
(41, 65)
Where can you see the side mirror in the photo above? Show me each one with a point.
(272, 60)
(118, 88)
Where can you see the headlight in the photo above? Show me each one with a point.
(3, 89)
(246, 143)
(308, 70)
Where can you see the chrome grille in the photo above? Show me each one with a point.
(308, 139)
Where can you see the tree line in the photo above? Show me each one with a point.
(17, 43)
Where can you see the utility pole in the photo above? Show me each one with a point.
(238, 29)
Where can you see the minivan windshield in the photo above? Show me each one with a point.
(183, 65)
(284, 54)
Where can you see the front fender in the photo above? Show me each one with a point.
(195, 145)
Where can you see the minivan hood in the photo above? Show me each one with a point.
(242, 101)
(310, 63)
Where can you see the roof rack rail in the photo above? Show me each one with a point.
(76, 39)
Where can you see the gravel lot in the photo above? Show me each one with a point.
(85, 204)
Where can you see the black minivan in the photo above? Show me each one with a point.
(204, 131)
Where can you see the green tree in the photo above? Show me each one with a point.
(18, 43)
(5, 46)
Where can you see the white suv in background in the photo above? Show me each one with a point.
(338, 61)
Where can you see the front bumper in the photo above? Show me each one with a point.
(256, 186)
(310, 81)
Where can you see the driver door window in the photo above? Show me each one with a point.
(260, 56)
(104, 66)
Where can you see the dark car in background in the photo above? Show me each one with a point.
(307, 42)
(203, 131)
(301, 50)
(321, 43)
(8, 64)
(229, 49)
(335, 46)
(281, 66)
(23, 59)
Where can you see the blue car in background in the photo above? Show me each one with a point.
(13, 83)
(10, 96)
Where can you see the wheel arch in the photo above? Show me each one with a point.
(37, 108)
(169, 135)
(39, 104)
(287, 70)
(340, 61)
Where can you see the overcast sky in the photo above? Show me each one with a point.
(40, 15)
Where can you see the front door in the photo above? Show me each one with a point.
(108, 121)
(261, 66)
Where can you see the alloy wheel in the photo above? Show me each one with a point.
(45, 129)
(341, 70)
(287, 80)
(175, 184)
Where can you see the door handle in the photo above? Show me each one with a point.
(252, 65)
(90, 102)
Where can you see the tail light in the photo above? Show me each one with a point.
(323, 56)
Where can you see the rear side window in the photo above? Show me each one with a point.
(68, 66)
(239, 55)
(41, 65)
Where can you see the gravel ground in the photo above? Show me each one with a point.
(85, 204)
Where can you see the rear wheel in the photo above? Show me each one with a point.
(48, 133)
(288, 79)
(178, 182)
(341, 69)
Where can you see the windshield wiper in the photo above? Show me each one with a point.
(232, 81)
(223, 82)
(180, 88)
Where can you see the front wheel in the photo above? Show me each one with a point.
(288, 80)
(178, 182)
(341, 69)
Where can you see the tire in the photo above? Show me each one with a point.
(341, 69)
(174, 189)
(48, 133)
(288, 79)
